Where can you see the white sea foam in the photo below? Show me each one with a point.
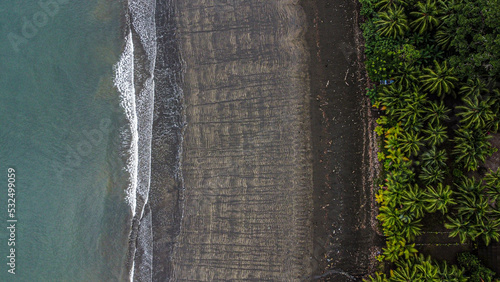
(142, 15)
(137, 99)
(124, 81)
(137, 93)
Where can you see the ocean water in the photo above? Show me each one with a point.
(70, 129)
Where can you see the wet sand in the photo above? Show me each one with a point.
(276, 151)
(246, 161)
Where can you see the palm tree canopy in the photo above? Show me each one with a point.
(436, 112)
(439, 198)
(392, 23)
(427, 16)
(476, 112)
(471, 147)
(459, 227)
(439, 80)
(473, 87)
(406, 75)
(390, 4)
(410, 143)
(434, 157)
(436, 134)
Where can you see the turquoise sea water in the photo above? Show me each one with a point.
(60, 126)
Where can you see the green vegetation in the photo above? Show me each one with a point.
(436, 122)
(474, 269)
(421, 268)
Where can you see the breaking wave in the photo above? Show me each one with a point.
(134, 79)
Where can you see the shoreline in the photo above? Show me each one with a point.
(166, 197)
(254, 193)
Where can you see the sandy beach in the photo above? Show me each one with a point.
(276, 149)
(246, 161)
(344, 144)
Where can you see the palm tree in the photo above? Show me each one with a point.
(492, 180)
(392, 23)
(410, 143)
(451, 274)
(434, 158)
(473, 207)
(427, 16)
(489, 231)
(431, 175)
(411, 229)
(428, 269)
(407, 250)
(436, 112)
(436, 135)
(389, 4)
(410, 114)
(447, 9)
(440, 81)
(471, 148)
(391, 98)
(430, 52)
(395, 184)
(476, 113)
(415, 97)
(400, 177)
(392, 143)
(398, 159)
(494, 124)
(406, 75)
(412, 201)
(447, 29)
(439, 199)
(415, 126)
(459, 227)
(393, 250)
(406, 271)
(389, 217)
(473, 87)
(391, 197)
(395, 130)
(412, 111)
(444, 36)
(469, 185)
(404, 274)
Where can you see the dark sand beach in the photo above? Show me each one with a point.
(274, 176)
(344, 144)
(246, 161)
